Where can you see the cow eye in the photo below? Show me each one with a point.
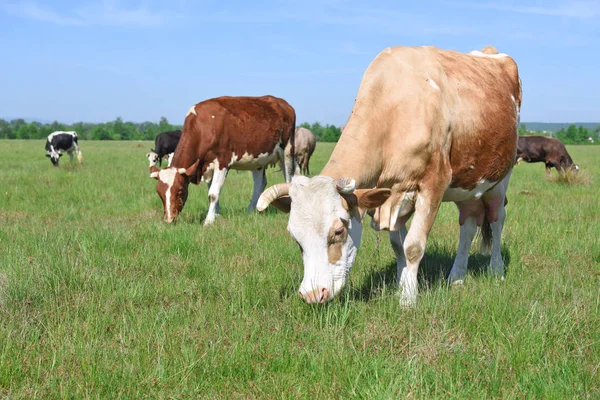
(339, 231)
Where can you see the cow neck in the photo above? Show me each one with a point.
(355, 156)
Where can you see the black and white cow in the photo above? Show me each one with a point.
(59, 142)
(164, 145)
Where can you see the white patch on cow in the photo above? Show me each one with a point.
(513, 98)
(432, 83)
(248, 162)
(169, 159)
(406, 205)
(167, 176)
(213, 116)
(192, 110)
(459, 194)
(478, 53)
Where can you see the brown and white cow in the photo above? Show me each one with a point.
(304, 146)
(545, 149)
(242, 133)
(428, 125)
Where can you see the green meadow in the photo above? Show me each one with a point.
(101, 299)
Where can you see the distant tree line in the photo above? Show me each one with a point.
(120, 130)
(572, 135)
(114, 130)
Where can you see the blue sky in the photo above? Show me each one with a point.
(94, 60)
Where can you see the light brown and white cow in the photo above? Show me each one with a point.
(304, 146)
(428, 125)
(243, 133)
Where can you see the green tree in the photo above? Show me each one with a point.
(523, 130)
(101, 133)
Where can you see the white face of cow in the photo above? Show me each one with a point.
(326, 222)
(152, 159)
(54, 156)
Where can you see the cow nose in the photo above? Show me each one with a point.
(315, 296)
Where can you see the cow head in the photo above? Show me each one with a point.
(326, 222)
(152, 158)
(172, 187)
(54, 156)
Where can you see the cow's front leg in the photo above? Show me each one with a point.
(260, 182)
(70, 153)
(426, 207)
(214, 192)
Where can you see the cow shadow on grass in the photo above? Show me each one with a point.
(433, 270)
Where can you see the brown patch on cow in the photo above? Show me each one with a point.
(414, 253)
(336, 237)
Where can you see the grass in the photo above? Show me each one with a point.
(571, 177)
(100, 299)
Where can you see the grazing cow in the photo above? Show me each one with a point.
(304, 144)
(427, 126)
(164, 144)
(59, 142)
(243, 133)
(545, 149)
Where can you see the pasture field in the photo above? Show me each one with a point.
(101, 299)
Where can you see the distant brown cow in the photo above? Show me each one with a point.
(242, 133)
(545, 149)
(304, 143)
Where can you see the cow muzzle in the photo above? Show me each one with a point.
(315, 296)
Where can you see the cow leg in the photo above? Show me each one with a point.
(214, 192)
(495, 204)
(70, 153)
(459, 269)
(78, 152)
(397, 239)
(548, 166)
(426, 208)
(289, 163)
(260, 182)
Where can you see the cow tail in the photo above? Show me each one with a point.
(485, 233)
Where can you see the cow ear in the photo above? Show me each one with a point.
(154, 172)
(369, 199)
(283, 203)
(362, 200)
(191, 171)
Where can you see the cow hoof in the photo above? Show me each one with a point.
(407, 301)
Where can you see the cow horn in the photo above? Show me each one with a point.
(272, 193)
(345, 185)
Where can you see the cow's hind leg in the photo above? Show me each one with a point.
(459, 269)
(260, 182)
(70, 153)
(214, 192)
(495, 203)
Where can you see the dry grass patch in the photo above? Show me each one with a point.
(571, 177)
